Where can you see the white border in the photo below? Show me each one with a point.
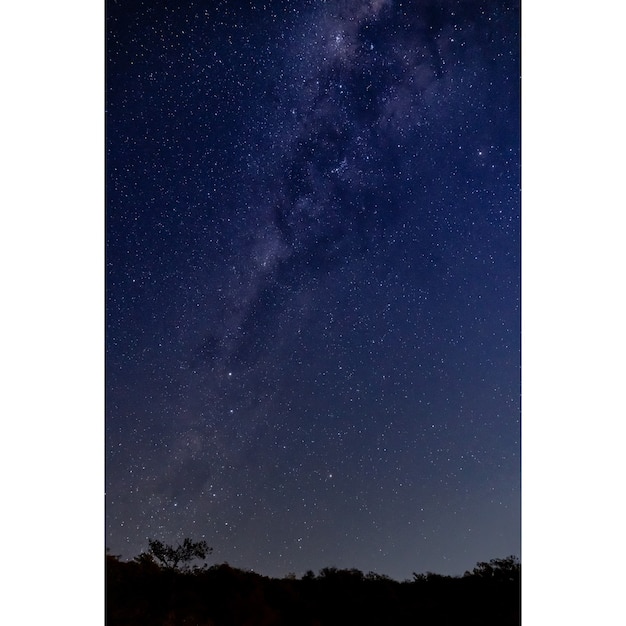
(52, 313)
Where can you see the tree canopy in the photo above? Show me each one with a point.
(175, 558)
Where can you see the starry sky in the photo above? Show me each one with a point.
(313, 281)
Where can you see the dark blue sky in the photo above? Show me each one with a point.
(313, 282)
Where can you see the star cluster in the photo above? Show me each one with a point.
(313, 277)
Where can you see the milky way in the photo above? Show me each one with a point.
(313, 282)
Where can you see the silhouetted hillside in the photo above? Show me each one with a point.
(142, 592)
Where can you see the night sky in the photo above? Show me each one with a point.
(313, 282)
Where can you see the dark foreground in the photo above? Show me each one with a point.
(142, 593)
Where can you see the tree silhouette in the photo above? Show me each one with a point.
(170, 557)
(508, 568)
(156, 588)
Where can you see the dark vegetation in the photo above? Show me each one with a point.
(162, 587)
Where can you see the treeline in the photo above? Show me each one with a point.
(148, 592)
